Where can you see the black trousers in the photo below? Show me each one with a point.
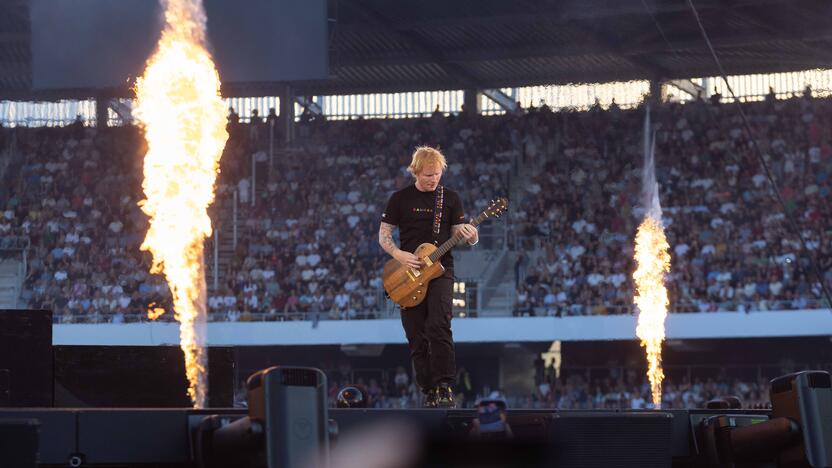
(428, 330)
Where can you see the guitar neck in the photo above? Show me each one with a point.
(454, 240)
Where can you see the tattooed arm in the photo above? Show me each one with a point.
(385, 240)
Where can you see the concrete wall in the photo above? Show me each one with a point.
(502, 329)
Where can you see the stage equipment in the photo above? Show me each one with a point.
(18, 443)
(637, 439)
(799, 433)
(25, 358)
(287, 420)
(287, 424)
(806, 399)
(137, 377)
(207, 438)
(351, 396)
(728, 402)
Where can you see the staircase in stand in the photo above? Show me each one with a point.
(224, 225)
(10, 283)
(500, 292)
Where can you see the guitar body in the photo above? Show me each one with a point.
(407, 286)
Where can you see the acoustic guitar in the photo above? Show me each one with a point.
(408, 286)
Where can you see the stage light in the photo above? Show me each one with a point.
(351, 396)
(799, 432)
(286, 426)
(806, 399)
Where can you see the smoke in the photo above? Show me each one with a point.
(650, 187)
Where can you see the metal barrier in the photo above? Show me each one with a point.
(391, 311)
(14, 243)
(746, 372)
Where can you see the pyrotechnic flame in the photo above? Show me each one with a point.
(155, 312)
(184, 120)
(653, 260)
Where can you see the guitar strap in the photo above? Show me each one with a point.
(437, 213)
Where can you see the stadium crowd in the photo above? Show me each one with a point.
(308, 220)
(74, 194)
(731, 245)
(309, 240)
(627, 390)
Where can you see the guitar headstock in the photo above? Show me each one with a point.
(496, 208)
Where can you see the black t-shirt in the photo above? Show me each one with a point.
(412, 211)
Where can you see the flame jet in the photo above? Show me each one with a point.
(653, 263)
(183, 115)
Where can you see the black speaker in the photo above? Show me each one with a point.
(19, 443)
(136, 377)
(25, 358)
(602, 439)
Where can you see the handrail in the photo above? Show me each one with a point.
(279, 316)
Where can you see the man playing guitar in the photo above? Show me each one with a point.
(426, 212)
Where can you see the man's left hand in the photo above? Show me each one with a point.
(468, 231)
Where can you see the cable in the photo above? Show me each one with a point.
(792, 223)
(659, 28)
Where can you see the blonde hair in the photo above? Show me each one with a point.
(423, 156)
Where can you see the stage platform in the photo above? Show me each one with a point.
(165, 437)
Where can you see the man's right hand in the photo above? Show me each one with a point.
(408, 259)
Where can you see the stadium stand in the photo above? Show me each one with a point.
(306, 242)
(731, 247)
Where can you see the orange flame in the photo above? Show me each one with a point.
(155, 312)
(653, 260)
(184, 119)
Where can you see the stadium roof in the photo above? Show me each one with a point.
(402, 45)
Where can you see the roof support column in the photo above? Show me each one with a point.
(287, 113)
(471, 101)
(102, 111)
(657, 91)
